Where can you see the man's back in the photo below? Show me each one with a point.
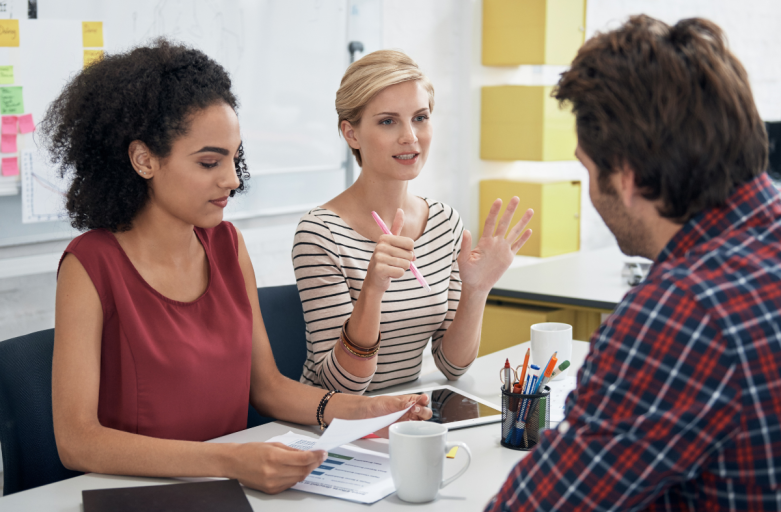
(678, 404)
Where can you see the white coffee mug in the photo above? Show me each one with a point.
(548, 338)
(417, 459)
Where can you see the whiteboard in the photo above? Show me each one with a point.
(286, 59)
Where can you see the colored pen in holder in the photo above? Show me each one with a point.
(524, 416)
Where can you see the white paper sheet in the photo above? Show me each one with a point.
(349, 473)
(341, 432)
(559, 389)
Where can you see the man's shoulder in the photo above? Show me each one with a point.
(724, 276)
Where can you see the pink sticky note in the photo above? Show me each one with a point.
(10, 166)
(8, 143)
(9, 125)
(26, 124)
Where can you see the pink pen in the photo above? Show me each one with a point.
(412, 266)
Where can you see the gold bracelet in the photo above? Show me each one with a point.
(353, 353)
(355, 349)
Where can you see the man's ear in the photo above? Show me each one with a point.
(142, 159)
(624, 183)
(348, 132)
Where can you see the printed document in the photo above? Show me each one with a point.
(341, 432)
(559, 389)
(349, 473)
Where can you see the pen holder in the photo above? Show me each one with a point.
(523, 418)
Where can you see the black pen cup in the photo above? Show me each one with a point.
(523, 418)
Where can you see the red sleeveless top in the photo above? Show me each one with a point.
(169, 369)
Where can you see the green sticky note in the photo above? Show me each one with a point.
(6, 74)
(11, 100)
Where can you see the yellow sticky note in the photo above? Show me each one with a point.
(452, 453)
(91, 56)
(92, 33)
(6, 75)
(9, 32)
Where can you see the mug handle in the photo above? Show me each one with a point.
(448, 447)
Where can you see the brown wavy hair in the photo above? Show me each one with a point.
(674, 104)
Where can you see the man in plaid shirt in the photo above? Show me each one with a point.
(678, 404)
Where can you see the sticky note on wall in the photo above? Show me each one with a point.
(9, 125)
(91, 56)
(6, 75)
(9, 32)
(26, 124)
(92, 33)
(8, 143)
(10, 166)
(11, 101)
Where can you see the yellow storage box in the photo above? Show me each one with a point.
(521, 122)
(556, 204)
(506, 324)
(519, 32)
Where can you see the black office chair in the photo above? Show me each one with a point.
(30, 455)
(283, 317)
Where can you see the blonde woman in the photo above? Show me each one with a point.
(368, 320)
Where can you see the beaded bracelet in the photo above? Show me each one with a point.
(321, 408)
(353, 349)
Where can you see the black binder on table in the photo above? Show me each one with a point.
(218, 495)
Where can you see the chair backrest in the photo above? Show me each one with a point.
(283, 317)
(30, 457)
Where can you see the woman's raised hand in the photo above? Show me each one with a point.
(391, 257)
(480, 268)
(273, 467)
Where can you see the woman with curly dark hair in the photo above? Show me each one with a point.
(159, 340)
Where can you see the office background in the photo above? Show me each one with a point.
(444, 37)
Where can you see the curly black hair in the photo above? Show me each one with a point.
(148, 94)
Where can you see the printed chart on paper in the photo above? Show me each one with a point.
(43, 191)
(349, 473)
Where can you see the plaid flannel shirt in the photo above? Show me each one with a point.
(678, 404)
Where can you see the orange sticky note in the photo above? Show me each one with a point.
(11, 166)
(9, 32)
(8, 143)
(92, 33)
(91, 56)
(9, 125)
(26, 124)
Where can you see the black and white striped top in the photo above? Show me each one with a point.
(330, 261)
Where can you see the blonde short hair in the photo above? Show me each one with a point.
(368, 76)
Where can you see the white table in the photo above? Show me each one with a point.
(490, 464)
(585, 279)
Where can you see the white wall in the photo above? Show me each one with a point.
(444, 36)
(445, 39)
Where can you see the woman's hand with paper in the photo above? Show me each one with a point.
(382, 405)
(271, 467)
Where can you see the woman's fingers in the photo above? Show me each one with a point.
(520, 226)
(516, 246)
(507, 217)
(398, 222)
(402, 242)
(490, 221)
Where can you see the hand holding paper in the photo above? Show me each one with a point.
(341, 432)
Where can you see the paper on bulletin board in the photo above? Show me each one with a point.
(50, 55)
(43, 191)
